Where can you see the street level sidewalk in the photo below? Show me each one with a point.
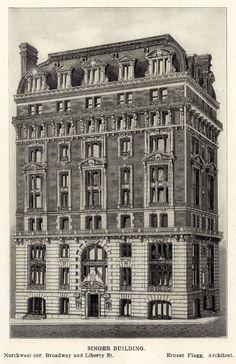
(109, 321)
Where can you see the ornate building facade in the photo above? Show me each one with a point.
(117, 215)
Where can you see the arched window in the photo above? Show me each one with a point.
(94, 258)
(159, 310)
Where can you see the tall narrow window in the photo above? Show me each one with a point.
(160, 265)
(163, 220)
(210, 192)
(196, 186)
(195, 265)
(64, 305)
(35, 191)
(210, 265)
(93, 188)
(125, 279)
(153, 220)
(64, 190)
(64, 278)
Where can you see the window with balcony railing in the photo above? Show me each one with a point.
(160, 266)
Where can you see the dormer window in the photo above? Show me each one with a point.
(94, 72)
(160, 62)
(126, 68)
(64, 77)
(37, 80)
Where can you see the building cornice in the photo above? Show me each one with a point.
(112, 47)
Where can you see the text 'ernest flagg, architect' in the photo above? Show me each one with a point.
(116, 150)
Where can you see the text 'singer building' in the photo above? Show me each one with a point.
(117, 215)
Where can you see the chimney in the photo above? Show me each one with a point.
(29, 57)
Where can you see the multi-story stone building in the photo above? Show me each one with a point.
(117, 215)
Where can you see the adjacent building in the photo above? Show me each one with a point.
(116, 153)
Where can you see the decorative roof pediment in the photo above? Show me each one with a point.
(95, 63)
(126, 59)
(33, 167)
(212, 168)
(63, 69)
(36, 72)
(92, 161)
(157, 156)
(92, 280)
(197, 159)
(159, 52)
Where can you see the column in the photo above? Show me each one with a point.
(64, 80)
(120, 71)
(34, 84)
(37, 83)
(58, 80)
(43, 82)
(86, 76)
(29, 84)
(68, 79)
(131, 70)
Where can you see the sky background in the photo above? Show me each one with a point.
(197, 30)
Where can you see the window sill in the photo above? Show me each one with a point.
(36, 286)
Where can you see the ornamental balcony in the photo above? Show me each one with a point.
(152, 288)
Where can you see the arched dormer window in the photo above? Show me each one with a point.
(64, 77)
(37, 80)
(94, 72)
(126, 68)
(160, 62)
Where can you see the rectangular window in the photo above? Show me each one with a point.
(89, 222)
(97, 222)
(163, 220)
(35, 154)
(158, 144)
(97, 101)
(153, 220)
(125, 146)
(93, 188)
(38, 109)
(195, 146)
(89, 103)
(64, 305)
(210, 155)
(120, 99)
(160, 265)
(67, 105)
(125, 222)
(196, 186)
(164, 93)
(64, 250)
(125, 279)
(35, 191)
(31, 110)
(154, 95)
(39, 224)
(129, 97)
(64, 151)
(64, 278)
(125, 250)
(210, 265)
(37, 252)
(159, 174)
(195, 265)
(59, 106)
(210, 192)
(64, 223)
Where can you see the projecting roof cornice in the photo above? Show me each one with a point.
(114, 47)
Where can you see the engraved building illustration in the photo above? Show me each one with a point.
(117, 216)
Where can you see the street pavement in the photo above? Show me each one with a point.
(205, 327)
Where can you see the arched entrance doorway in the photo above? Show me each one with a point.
(36, 306)
(159, 310)
(93, 277)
